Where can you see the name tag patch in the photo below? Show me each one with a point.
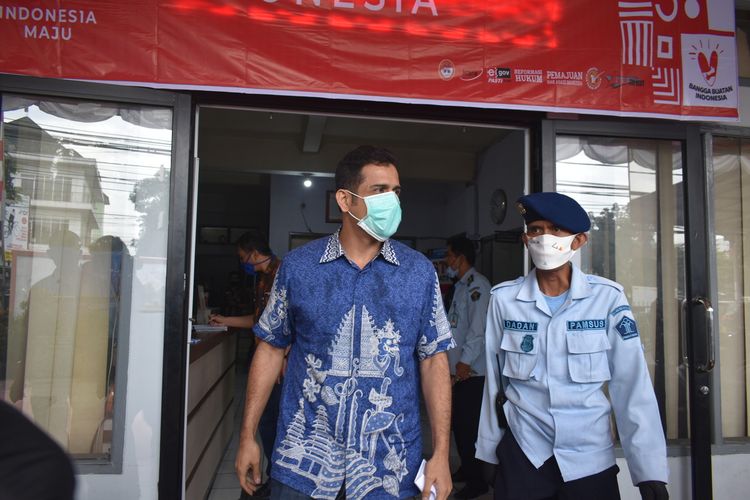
(587, 324)
(453, 318)
(627, 328)
(520, 326)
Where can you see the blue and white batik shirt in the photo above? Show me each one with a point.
(350, 401)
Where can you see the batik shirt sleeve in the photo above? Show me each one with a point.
(274, 324)
(435, 331)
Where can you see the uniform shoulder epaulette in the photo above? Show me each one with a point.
(598, 280)
(481, 280)
(506, 284)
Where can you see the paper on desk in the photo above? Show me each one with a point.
(419, 481)
(209, 328)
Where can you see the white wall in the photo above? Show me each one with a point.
(425, 210)
(287, 194)
(431, 210)
(502, 166)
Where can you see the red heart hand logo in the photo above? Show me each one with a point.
(703, 63)
(709, 66)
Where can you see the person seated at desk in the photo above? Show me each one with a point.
(258, 260)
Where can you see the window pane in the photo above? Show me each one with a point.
(632, 190)
(85, 210)
(731, 163)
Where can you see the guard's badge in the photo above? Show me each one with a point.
(521, 208)
(527, 344)
(627, 328)
(475, 295)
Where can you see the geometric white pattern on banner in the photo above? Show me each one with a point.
(664, 47)
(637, 42)
(667, 80)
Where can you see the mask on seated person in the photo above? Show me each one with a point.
(249, 267)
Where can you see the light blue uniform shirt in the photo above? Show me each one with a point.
(468, 317)
(554, 370)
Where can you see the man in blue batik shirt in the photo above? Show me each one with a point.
(364, 321)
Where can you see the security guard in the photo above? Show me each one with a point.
(557, 336)
(468, 317)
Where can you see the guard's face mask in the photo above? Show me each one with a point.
(549, 251)
(383, 214)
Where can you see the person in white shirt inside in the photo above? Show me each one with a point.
(555, 339)
(467, 316)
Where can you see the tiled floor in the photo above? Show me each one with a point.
(226, 487)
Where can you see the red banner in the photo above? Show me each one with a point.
(662, 58)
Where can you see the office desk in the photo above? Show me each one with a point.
(210, 407)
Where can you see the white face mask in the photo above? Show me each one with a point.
(549, 251)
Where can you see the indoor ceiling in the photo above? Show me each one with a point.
(236, 145)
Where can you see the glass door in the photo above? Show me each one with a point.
(91, 275)
(632, 190)
(647, 207)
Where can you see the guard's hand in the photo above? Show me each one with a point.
(463, 371)
(653, 490)
(437, 471)
(247, 464)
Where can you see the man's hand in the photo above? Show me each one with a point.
(653, 490)
(463, 371)
(437, 471)
(247, 464)
(264, 371)
(436, 387)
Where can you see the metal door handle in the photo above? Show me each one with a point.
(683, 331)
(709, 310)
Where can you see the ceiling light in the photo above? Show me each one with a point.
(307, 182)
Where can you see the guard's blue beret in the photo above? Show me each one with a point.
(557, 208)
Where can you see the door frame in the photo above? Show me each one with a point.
(698, 273)
(171, 470)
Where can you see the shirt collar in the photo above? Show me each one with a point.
(334, 250)
(530, 292)
(465, 278)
